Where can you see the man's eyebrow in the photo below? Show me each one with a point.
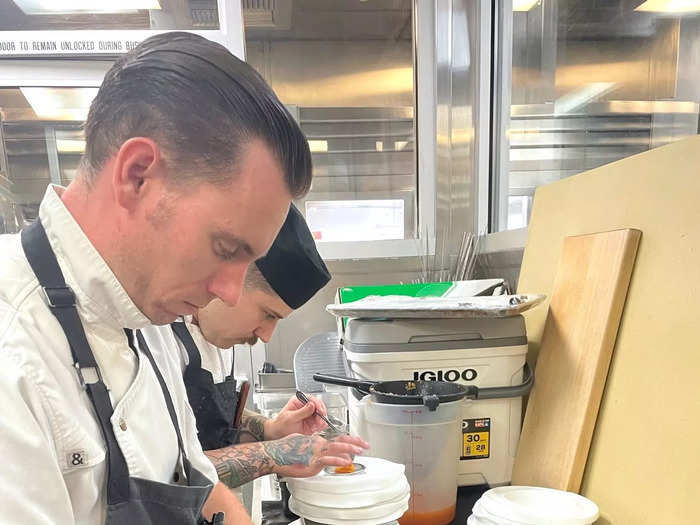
(273, 312)
(232, 239)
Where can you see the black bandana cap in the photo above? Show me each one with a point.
(293, 266)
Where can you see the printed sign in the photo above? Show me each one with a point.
(74, 42)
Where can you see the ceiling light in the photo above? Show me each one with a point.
(670, 6)
(318, 146)
(70, 146)
(524, 5)
(60, 103)
(44, 7)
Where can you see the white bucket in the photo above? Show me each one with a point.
(302, 521)
(532, 506)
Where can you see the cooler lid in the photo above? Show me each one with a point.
(399, 335)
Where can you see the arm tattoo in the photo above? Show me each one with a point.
(237, 465)
(292, 450)
(251, 427)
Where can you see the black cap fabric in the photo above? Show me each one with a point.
(293, 266)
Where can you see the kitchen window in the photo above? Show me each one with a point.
(581, 84)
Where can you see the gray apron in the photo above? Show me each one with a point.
(214, 404)
(130, 500)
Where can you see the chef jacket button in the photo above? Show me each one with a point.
(122, 424)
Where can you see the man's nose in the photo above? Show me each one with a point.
(265, 330)
(227, 283)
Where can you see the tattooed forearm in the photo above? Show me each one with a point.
(239, 464)
(251, 427)
(291, 450)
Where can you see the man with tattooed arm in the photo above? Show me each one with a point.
(289, 445)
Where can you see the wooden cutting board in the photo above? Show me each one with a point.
(586, 305)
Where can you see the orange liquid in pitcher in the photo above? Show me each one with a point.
(436, 517)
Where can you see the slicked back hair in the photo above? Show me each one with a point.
(200, 104)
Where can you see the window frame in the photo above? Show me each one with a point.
(425, 161)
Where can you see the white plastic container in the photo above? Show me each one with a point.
(532, 506)
(480, 352)
(377, 493)
(302, 521)
(426, 442)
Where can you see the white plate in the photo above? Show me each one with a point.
(378, 474)
(344, 501)
(536, 506)
(378, 513)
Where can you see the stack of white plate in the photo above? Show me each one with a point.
(377, 493)
(532, 506)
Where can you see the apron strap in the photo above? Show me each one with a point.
(58, 296)
(193, 355)
(61, 302)
(168, 401)
(184, 335)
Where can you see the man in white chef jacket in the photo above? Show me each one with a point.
(191, 163)
(288, 276)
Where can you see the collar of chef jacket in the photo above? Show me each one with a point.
(98, 291)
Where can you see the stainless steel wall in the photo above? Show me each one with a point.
(592, 83)
(451, 26)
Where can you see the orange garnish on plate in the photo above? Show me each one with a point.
(345, 470)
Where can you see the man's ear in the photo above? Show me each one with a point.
(137, 163)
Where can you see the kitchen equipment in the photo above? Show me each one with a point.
(242, 398)
(428, 393)
(484, 353)
(426, 441)
(532, 506)
(373, 495)
(302, 397)
(319, 353)
(275, 381)
(586, 305)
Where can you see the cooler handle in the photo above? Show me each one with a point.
(501, 392)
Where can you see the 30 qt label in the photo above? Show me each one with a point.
(476, 435)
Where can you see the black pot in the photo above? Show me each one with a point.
(428, 393)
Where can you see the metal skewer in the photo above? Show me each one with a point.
(302, 397)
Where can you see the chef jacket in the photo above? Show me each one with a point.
(51, 449)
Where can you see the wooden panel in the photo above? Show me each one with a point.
(578, 340)
(643, 466)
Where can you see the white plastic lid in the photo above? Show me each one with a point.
(378, 474)
(537, 506)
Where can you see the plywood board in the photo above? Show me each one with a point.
(643, 466)
(579, 336)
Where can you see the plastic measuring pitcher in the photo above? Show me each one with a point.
(427, 443)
